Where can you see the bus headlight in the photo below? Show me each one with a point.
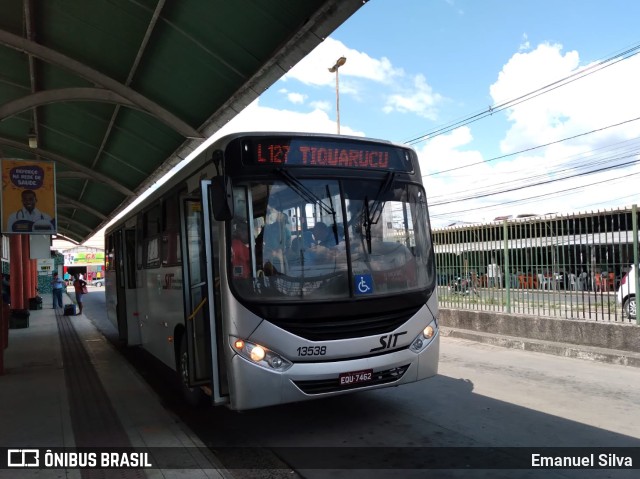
(260, 355)
(424, 338)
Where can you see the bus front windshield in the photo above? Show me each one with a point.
(314, 240)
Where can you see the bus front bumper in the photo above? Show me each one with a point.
(253, 386)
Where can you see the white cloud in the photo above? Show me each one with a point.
(417, 97)
(322, 105)
(420, 100)
(525, 45)
(449, 152)
(444, 152)
(604, 98)
(595, 101)
(296, 98)
(314, 68)
(259, 118)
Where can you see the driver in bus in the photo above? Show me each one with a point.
(324, 247)
(323, 236)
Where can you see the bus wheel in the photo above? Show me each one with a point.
(192, 396)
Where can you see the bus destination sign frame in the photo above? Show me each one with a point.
(286, 152)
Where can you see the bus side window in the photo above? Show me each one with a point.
(240, 251)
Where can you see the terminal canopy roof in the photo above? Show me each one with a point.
(117, 92)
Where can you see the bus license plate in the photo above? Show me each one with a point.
(355, 377)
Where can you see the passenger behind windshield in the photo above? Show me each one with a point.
(276, 240)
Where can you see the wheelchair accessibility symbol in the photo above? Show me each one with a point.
(363, 283)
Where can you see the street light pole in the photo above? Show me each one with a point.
(341, 61)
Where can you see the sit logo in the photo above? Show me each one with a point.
(388, 341)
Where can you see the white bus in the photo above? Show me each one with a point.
(281, 267)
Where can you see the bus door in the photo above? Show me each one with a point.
(119, 259)
(125, 284)
(199, 289)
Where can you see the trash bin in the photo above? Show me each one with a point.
(35, 303)
(19, 319)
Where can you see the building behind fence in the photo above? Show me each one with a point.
(560, 266)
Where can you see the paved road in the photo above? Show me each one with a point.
(599, 399)
(484, 396)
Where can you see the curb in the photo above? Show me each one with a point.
(611, 356)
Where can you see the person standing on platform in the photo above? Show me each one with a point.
(80, 287)
(58, 286)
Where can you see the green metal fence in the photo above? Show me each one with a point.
(573, 266)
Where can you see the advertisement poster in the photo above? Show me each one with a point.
(83, 258)
(28, 197)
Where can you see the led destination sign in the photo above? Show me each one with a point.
(279, 152)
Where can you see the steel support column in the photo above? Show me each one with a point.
(26, 271)
(15, 270)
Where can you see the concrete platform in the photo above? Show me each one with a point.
(65, 386)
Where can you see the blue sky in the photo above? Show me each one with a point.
(414, 66)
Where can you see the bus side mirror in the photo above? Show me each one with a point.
(221, 198)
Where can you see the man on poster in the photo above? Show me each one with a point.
(29, 218)
(28, 197)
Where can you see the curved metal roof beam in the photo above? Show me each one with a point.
(70, 163)
(68, 235)
(64, 201)
(47, 97)
(51, 56)
(72, 175)
(65, 219)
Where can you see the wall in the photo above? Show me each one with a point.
(609, 335)
(44, 281)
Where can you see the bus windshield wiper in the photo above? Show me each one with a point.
(378, 204)
(373, 214)
(367, 224)
(333, 214)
